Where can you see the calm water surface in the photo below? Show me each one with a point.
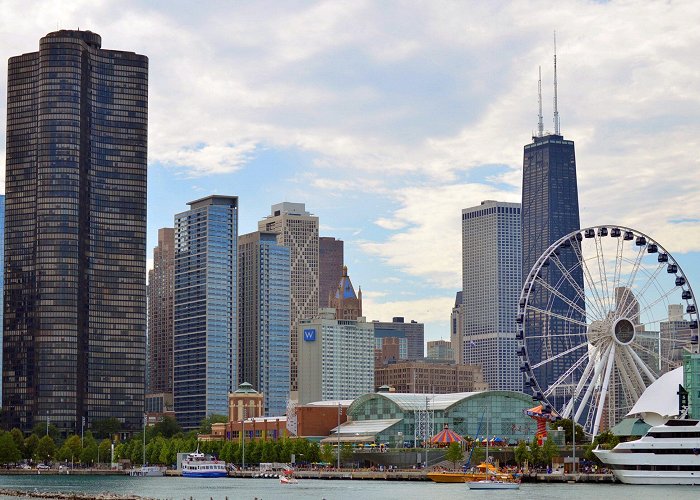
(178, 488)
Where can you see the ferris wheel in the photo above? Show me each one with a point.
(602, 314)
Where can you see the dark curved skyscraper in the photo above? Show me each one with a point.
(75, 294)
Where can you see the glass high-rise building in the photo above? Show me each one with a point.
(75, 272)
(205, 351)
(491, 273)
(550, 211)
(264, 318)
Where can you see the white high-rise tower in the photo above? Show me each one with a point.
(491, 273)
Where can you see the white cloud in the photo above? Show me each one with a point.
(423, 310)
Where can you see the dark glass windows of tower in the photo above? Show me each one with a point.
(75, 306)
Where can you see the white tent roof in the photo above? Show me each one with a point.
(659, 402)
(371, 427)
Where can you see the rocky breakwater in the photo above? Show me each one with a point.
(53, 495)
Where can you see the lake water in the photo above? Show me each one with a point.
(178, 488)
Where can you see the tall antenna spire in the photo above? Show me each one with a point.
(556, 110)
(540, 125)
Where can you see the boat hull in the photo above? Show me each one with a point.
(643, 468)
(461, 477)
(493, 485)
(214, 473)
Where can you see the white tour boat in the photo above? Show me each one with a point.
(667, 454)
(197, 465)
(147, 471)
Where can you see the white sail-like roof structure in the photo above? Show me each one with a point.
(659, 402)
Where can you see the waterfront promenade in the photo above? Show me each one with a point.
(370, 475)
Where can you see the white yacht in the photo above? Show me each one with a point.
(667, 454)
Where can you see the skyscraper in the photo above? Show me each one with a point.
(336, 357)
(264, 318)
(550, 211)
(330, 268)
(2, 274)
(491, 281)
(75, 298)
(205, 359)
(347, 303)
(161, 300)
(413, 331)
(297, 230)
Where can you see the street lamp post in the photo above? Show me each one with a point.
(337, 432)
(243, 439)
(573, 423)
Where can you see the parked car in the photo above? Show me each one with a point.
(42, 467)
(25, 466)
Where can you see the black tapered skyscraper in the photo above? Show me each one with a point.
(550, 211)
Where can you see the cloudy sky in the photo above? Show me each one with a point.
(387, 118)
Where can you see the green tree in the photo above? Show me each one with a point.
(549, 451)
(205, 426)
(89, 454)
(9, 453)
(166, 427)
(535, 452)
(327, 453)
(104, 451)
(136, 451)
(346, 454)
(454, 454)
(269, 453)
(313, 452)
(71, 449)
(39, 430)
(566, 424)
(477, 454)
(522, 454)
(30, 444)
(106, 428)
(18, 437)
(285, 454)
(45, 449)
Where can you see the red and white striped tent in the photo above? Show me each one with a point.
(446, 436)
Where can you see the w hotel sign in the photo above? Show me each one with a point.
(309, 334)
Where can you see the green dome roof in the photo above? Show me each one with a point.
(245, 388)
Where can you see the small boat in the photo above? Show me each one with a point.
(287, 477)
(197, 465)
(490, 484)
(147, 471)
(482, 472)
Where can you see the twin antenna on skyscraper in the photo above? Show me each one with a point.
(540, 125)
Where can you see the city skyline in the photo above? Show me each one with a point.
(386, 133)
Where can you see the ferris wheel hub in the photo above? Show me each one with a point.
(623, 331)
